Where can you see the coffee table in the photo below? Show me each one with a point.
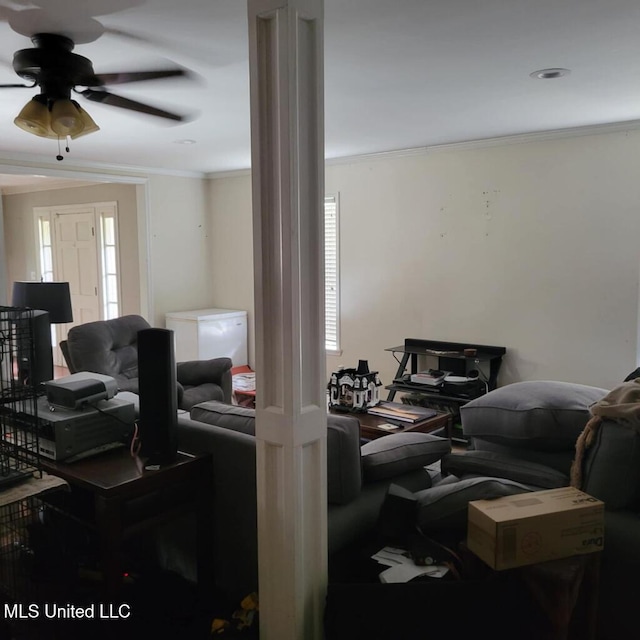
(370, 425)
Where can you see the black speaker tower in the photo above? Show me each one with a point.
(157, 389)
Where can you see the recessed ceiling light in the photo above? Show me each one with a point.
(549, 74)
(187, 141)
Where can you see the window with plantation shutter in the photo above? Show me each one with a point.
(331, 274)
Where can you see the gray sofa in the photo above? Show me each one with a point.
(357, 481)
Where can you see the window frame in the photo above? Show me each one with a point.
(332, 273)
(110, 307)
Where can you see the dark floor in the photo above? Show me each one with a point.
(476, 602)
(55, 575)
(157, 606)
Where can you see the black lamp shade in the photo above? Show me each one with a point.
(53, 297)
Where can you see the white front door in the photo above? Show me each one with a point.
(77, 263)
(75, 249)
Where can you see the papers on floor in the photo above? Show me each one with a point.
(402, 568)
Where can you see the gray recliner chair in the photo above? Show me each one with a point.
(110, 347)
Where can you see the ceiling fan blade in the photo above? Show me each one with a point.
(211, 55)
(138, 76)
(125, 103)
(6, 13)
(17, 86)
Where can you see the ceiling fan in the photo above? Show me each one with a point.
(57, 71)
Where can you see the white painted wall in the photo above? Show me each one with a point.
(532, 246)
(179, 250)
(231, 248)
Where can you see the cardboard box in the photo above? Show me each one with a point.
(527, 528)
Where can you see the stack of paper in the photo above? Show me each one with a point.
(403, 412)
(244, 382)
(430, 377)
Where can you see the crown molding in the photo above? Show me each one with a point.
(235, 173)
(537, 136)
(26, 163)
(46, 185)
(105, 172)
(481, 143)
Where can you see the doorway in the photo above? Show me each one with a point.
(78, 244)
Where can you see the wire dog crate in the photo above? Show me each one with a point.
(22, 481)
(19, 450)
(16, 553)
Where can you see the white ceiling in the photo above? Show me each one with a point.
(398, 74)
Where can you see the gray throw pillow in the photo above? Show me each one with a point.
(444, 507)
(539, 414)
(400, 453)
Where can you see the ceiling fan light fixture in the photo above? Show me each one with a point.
(88, 124)
(65, 118)
(35, 117)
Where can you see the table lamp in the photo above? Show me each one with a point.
(51, 302)
(52, 297)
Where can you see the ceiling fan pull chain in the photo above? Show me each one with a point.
(59, 157)
(68, 143)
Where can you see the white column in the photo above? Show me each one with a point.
(287, 137)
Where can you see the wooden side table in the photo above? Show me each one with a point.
(127, 499)
(567, 592)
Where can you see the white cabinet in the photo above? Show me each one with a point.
(209, 333)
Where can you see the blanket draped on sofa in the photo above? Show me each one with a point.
(621, 405)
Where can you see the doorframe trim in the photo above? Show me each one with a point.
(74, 209)
(147, 304)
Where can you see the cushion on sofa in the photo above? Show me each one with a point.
(444, 506)
(344, 474)
(559, 460)
(540, 414)
(400, 453)
(495, 465)
(224, 415)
